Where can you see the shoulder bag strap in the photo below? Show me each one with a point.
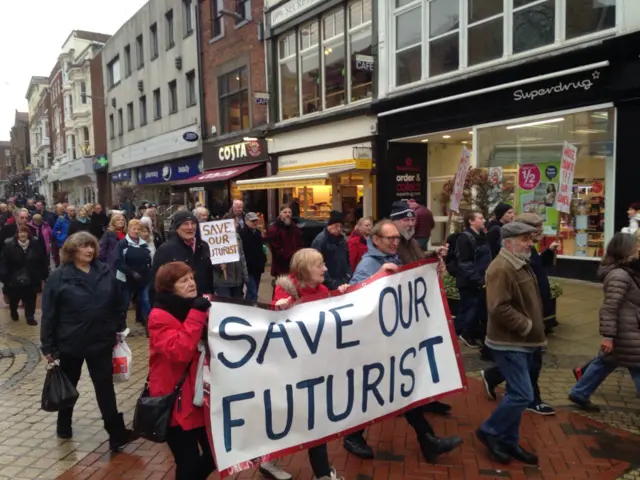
(184, 376)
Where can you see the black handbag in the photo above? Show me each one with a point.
(152, 415)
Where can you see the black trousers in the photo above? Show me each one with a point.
(319, 460)
(494, 377)
(414, 417)
(101, 373)
(192, 453)
(28, 296)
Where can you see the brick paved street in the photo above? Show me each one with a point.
(571, 446)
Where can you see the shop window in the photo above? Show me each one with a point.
(314, 73)
(426, 36)
(233, 93)
(526, 156)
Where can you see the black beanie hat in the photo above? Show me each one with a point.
(182, 216)
(335, 217)
(401, 209)
(501, 209)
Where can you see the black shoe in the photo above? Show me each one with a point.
(541, 408)
(523, 456)
(358, 447)
(469, 341)
(495, 447)
(119, 436)
(64, 434)
(14, 316)
(585, 404)
(490, 388)
(32, 322)
(432, 446)
(438, 408)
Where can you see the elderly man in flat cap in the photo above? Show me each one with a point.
(515, 331)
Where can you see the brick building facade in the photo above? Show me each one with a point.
(20, 164)
(101, 161)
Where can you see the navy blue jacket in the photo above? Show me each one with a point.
(129, 259)
(474, 257)
(335, 252)
(539, 262)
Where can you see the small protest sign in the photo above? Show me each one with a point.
(567, 170)
(458, 187)
(221, 237)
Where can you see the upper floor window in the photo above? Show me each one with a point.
(140, 51)
(83, 92)
(113, 72)
(217, 20)
(191, 88)
(168, 17)
(435, 37)
(243, 9)
(187, 20)
(127, 60)
(233, 98)
(327, 62)
(153, 31)
(173, 97)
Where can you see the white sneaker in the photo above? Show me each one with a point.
(272, 470)
(332, 476)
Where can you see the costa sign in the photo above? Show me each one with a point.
(240, 151)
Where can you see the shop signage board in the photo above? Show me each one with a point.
(190, 136)
(458, 186)
(222, 239)
(262, 98)
(121, 176)
(233, 154)
(290, 10)
(567, 170)
(286, 380)
(537, 192)
(170, 171)
(282, 184)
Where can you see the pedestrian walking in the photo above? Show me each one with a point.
(284, 239)
(81, 223)
(116, 231)
(55, 245)
(306, 278)
(358, 241)
(99, 222)
(514, 332)
(382, 256)
(82, 317)
(61, 228)
(333, 246)
(23, 268)
(503, 213)
(492, 376)
(43, 232)
(619, 325)
(177, 323)
(253, 247)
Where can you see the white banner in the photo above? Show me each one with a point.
(282, 381)
(221, 237)
(567, 170)
(461, 176)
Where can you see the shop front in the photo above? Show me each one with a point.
(226, 164)
(160, 183)
(76, 180)
(515, 122)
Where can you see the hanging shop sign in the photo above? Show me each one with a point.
(100, 163)
(170, 171)
(233, 154)
(121, 176)
(364, 62)
(262, 98)
(190, 136)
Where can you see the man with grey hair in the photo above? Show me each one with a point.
(515, 330)
(10, 231)
(237, 212)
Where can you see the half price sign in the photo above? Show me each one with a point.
(567, 171)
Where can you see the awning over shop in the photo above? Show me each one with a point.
(218, 175)
(294, 178)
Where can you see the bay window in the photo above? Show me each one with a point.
(326, 62)
(435, 37)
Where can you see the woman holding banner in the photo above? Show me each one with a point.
(306, 278)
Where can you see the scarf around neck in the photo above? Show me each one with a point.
(24, 245)
(178, 307)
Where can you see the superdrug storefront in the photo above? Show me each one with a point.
(515, 121)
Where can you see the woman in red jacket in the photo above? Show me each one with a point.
(358, 241)
(306, 278)
(176, 325)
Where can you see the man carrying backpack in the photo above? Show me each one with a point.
(467, 261)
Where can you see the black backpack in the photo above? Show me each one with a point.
(451, 261)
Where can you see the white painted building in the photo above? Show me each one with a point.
(39, 134)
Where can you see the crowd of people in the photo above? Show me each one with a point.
(94, 265)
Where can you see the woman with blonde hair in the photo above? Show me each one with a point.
(116, 231)
(80, 223)
(82, 317)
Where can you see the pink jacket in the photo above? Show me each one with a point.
(44, 231)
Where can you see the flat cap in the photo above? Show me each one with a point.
(532, 219)
(516, 229)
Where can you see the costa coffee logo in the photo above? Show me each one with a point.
(239, 151)
(254, 149)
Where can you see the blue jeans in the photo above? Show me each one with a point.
(504, 423)
(471, 313)
(596, 373)
(142, 295)
(253, 287)
(229, 292)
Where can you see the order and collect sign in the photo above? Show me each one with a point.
(282, 381)
(567, 171)
(221, 237)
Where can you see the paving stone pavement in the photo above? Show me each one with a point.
(571, 445)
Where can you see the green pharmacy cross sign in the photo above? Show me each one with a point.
(100, 162)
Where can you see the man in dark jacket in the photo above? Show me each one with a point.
(99, 221)
(253, 246)
(473, 256)
(47, 216)
(503, 214)
(492, 376)
(335, 251)
(285, 239)
(183, 246)
(9, 231)
(425, 223)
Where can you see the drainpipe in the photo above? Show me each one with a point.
(203, 131)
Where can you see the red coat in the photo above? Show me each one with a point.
(284, 241)
(171, 345)
(288, 287)
(357, 248)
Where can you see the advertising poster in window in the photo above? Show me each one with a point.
(537, 190)
(409, 163)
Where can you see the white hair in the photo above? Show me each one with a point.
(202, 210)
